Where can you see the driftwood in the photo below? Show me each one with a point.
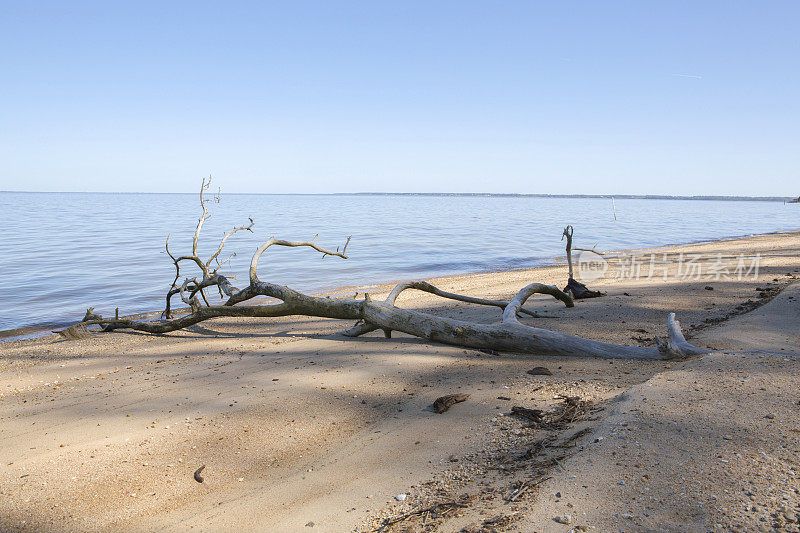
(441, 508)
(78, 331)
(446, 402)
(579, 291)
(534, 415)
(575, 288)
(524, 486)
(570, 409)
(507, 335)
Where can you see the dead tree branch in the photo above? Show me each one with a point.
(210, 275)
(508, 335)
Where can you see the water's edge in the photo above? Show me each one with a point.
(44, 330)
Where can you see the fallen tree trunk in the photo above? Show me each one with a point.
(507, 335)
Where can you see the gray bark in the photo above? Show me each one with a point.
(507, 335)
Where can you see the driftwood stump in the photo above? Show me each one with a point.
(575, 288)
(446, 402)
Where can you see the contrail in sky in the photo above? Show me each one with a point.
(688, 76)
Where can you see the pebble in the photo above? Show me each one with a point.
(310, 524)
(563, 519)
(400, 497)
(770, 416)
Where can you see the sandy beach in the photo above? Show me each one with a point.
(301, 429)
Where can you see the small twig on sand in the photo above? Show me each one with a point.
(573, 437)
(534, 415)
(525, 486)
(448, 506)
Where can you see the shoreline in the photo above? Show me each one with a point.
(296, 424)
(44, 331)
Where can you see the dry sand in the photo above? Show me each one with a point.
(301, 429)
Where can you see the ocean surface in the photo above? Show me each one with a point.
(63, 252)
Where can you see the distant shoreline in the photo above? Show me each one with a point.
(785, 199)
(599, 196)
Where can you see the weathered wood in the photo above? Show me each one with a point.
(427, 287)
(534, 415)
(507, 335)
(579, 291)
(574, 288)
(444, 403)
(539, 371)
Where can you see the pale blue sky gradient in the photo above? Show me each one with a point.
(564, 97)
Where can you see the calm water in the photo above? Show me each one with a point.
(61, 253)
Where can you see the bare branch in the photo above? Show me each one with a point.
(593, 250)
(203, 217)
(508, 335)
(511, 311)
(360, 328)
(676, 346)
(427, 287)
(219, 281)
(226, 237)
(568, 234)
(166, 247)
(576, 289)
(278, 242)
(190, 300)
(209, 278)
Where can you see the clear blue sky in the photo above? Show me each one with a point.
(558, 97)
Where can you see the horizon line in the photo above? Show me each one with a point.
(455, 194)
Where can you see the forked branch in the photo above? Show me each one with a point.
(211, 277)
(278, 242)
